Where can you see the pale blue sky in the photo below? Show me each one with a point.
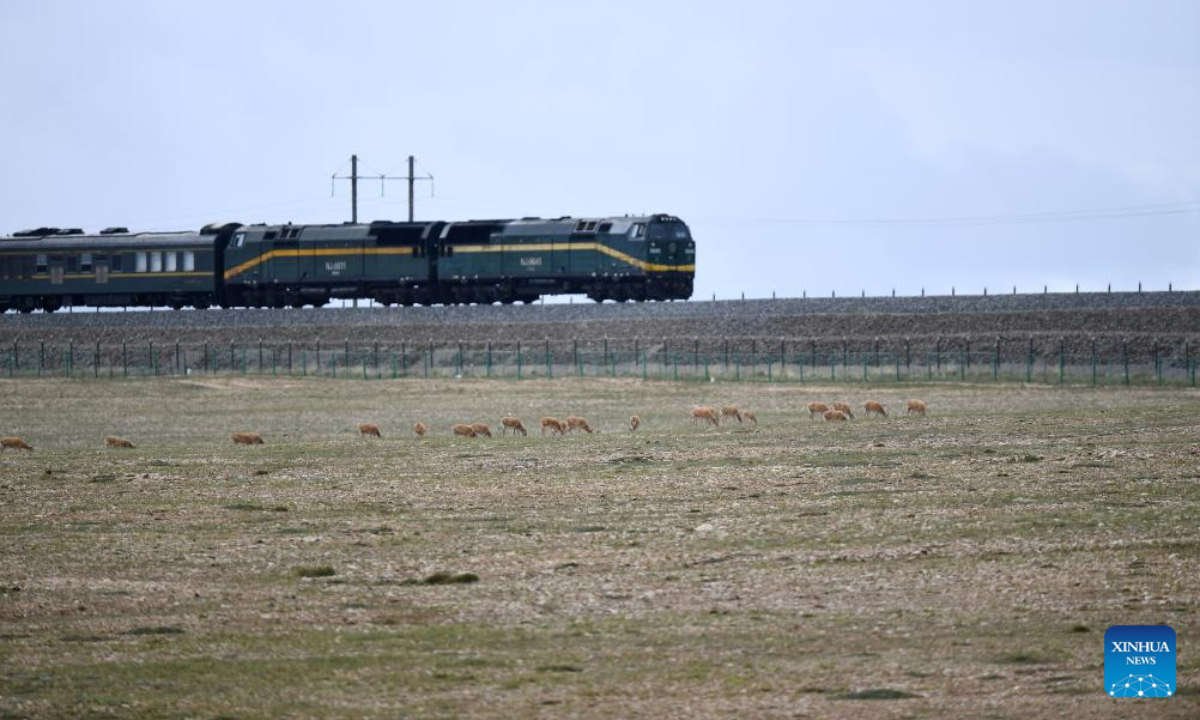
(774, 129)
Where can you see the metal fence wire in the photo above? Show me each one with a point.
(1106, 361)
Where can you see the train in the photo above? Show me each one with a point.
(229, 265)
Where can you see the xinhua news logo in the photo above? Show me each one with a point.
(1139, 661)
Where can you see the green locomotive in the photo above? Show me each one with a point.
(479, 261)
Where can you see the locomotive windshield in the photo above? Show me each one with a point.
(669, 231)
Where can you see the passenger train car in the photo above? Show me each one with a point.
(232, 265)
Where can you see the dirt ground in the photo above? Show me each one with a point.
(965, 564)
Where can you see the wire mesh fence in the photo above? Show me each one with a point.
(1107, 362)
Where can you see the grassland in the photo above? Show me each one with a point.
(961, 565)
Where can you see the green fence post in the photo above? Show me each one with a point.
(1093, 363)
(261, 367)
(364, 364)
(1157, 364)
(928, 368)
(897, 367)
(676, 366)
(375, 358)
(962, 367)
(864, 367)
(996, 365)
(392, 355)
(575, 357)
(333, 366)
(1125, 345)
(737, 368)
(519, 360)
(487, 363)
(274, 362)
(318, 351)
(289, 358)
(645, 367)
(549, 361)
(606, 352)
(70, 358)
(426, 360)
(707, 377)
(832, 367)
(1062, 361)
(153, 359)
(1189, 365)
(95, 362)
(404, 358)
(304, 362)
(246, 363)
(124, 359)
(346, 357)
(802, 360)
(11, 363)
(1029, 363)
(458, 361)
(41, 358)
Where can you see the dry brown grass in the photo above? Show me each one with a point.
(905, 567)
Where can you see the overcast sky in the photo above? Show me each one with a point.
(811, 146)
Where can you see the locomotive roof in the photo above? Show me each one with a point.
(83, 243)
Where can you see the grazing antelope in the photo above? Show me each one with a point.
(816, 410)
(419, 429)
(116, 442)
(731, 411)
(557, 427)
(844, 409)
(464, 430)
(705, 415)
(916, 406)
(871, 406)
(369, 429)
(747, 415)
(634, 423)
(578, 423)
(481, 429)
(15, 443)
(834, 415)
(514, 424)
(247, 438)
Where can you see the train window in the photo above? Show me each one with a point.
(72, 263)
(142, 265)
(269, 235)
(169, 262)
(189, 261)
(115, 265)
(579, 226)
(155, 262)
(239, 239)
(681, 232)
(85, 262)
(638, 232)
(604, 227)
(40, 263)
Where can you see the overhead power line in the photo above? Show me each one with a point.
(1057, 216)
